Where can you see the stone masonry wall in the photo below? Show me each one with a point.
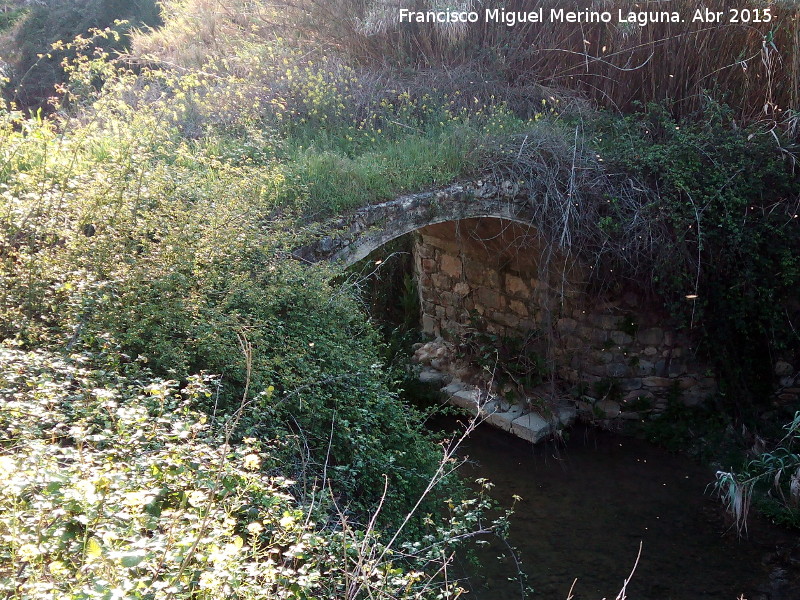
(493, 271)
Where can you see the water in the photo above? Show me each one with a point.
(586, 507)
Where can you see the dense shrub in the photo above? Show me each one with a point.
(113, 486)
(728, 199)
(35, 68)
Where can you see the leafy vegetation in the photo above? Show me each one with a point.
(771, 479)
(190, 413)
(113, 485)
(148, 307)
(729, 264)
(34, 67)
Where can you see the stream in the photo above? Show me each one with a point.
(589, 502)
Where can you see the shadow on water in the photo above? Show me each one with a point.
(587, 504)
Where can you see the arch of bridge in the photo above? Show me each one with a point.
(350, 238)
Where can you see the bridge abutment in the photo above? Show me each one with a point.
(501, 278)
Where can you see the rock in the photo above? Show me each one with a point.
(566, 413)
(531, 427)
(503, 420)
(605, 322)
(451, 266)
(645, 367)
(621, 338)
(656, 382)
(651, 337)
(466, 399)
(783, 368)
(565, 326)
(432, 376)
(440, 364)
(637, 395)
(461, 289)
(490, 298)
(516, 287)
(518, 308)
(453, 387)
(428, 324)
(585, 410)
(616, 370)
(609, 408)
(489, 407)
(631, 383)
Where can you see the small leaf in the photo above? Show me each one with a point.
(93, 548)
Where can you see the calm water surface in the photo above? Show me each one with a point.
(587, 505)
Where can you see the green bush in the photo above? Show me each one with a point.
(727, 202)
(35, 68)
(113, 486)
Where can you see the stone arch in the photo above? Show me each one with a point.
(349, 239)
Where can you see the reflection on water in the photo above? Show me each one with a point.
(586, 506)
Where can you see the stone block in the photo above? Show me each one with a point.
(434, 377)
(566, 326)
(441, 281)
(657, 382)
(466, 399)
(651, 337)
(783, 368)
(461, 289)
(518, 308)
(451, 266)
(428, 265)
(650, 351)
(617, 370)
(608, 408)
(504, 420)
(490, 298)
(531, 427)
(516, 287)
(603, 357)
(631, 384)
(447, 246)
(428, 324)
(635, 395)
(644, 368)
(621, 338)
(475, 272)
(505, 319)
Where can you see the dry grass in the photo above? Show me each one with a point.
(755, 65)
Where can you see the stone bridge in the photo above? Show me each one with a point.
(481, 264)
(350, 238)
